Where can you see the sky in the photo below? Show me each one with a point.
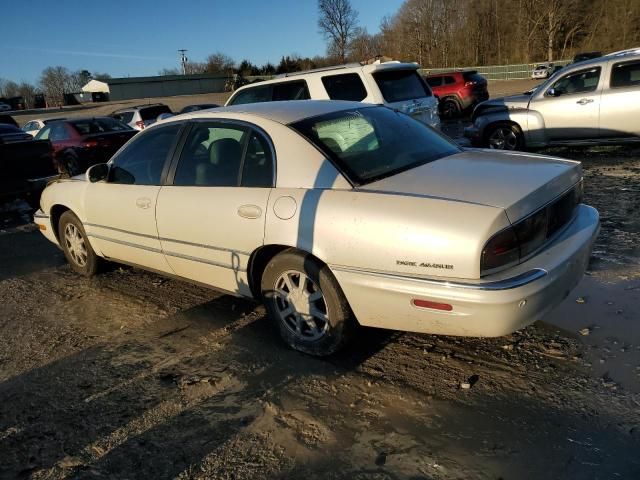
(141, 37)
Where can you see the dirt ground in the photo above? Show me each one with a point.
(131, 375)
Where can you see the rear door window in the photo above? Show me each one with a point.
(625, 74)
(347, 86)
(59, 132)
(401, 85)
(252, 95)
(449, 80)
(291, 91)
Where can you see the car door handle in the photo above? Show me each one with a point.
(584, 101)
(143, 202)
(250, 211)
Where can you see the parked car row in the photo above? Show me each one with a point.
(592, 102)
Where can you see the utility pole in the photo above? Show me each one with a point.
(183, 60)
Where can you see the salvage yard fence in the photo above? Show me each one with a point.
(499, 72)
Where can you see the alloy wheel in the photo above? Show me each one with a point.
(503, 138)
(74, 242)
(301, 305)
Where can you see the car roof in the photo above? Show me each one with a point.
(285, 112)
(631, 54)
(139, 107)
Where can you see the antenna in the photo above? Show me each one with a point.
(183, 60)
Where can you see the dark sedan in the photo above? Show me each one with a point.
(80, 143)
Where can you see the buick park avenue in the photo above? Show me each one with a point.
(334, 214)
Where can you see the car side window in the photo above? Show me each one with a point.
(625, 74)
(296, 90)
(347, 86)
(434, 81)
(212, 156)
(257, 168)
(59, 132)
(449, 80)
(252, 95)
(582, 81)
(43, 134)
(142, 162)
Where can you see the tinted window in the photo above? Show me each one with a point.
(212, 156)
(434, 81)
(59, 132)
(98, 125)
(252, 95)
(375, 142)
(578, 82)
(291, 91)
(473, 77)
(449, 80)
(151, 113)
(348, 86)
(257, 169)
(47, 122)
(400, 85)
(125, 117)
(141, 163)
(625, 74)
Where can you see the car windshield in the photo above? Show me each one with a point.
(374, 142)
(98, 125)
(401, 85)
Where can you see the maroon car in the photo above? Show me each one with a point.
(458, 91)
(83, 142)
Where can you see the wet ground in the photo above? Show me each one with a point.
(130, 375)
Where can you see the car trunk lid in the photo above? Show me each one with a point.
(517, 182)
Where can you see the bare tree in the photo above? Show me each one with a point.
(28, 93)
(338, 22)
(54, 82)
(220, 63)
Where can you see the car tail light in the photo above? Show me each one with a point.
(90, 144)
(516, 243)
(140, 124)
(445, 307)
(470, 83)
(501, 250)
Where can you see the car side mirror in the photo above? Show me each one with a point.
(98, 172)
(552, 92)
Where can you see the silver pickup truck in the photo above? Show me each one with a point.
(593, 102)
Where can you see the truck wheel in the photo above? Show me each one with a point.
(75, 245)
(505, 136)
(449, 108)
(304, 299)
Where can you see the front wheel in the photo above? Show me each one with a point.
(505, 136)
(75, 245)
(304, 299)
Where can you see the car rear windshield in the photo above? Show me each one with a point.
(98, 125)
(401, 85)
(151, 113)
(370, 143)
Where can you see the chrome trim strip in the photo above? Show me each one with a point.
(165, 239)
(202, 260)
(122, 242)
(171, 254)
(40, 215)
(210, 247)
(506, 284)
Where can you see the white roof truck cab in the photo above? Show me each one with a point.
(394, 84)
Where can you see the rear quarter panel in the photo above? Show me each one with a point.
(384, 232)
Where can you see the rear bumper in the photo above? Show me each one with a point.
(490, 307)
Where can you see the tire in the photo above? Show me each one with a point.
(75, 245)
(450, 108)
(317, 327)
(504, 136)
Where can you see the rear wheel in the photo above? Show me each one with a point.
(505, 136)
(75, 245)
(304, 299)
(450, 108)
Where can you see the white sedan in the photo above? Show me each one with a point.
(334, 214)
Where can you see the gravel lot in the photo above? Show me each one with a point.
(131, 375)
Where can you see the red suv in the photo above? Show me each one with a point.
(458, 91)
